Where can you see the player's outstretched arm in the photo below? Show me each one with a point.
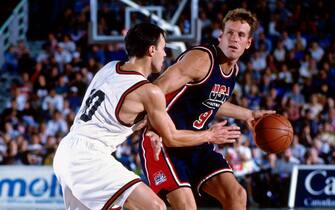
(238, 112)
(154, 103)
(234, 111)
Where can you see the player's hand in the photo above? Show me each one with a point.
(156, 143)
(223, 134)
(256, 115)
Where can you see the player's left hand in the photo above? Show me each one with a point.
(257, 114)
(156, 143)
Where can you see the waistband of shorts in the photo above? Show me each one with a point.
(90, 143)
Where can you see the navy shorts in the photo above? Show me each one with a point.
(181, 167)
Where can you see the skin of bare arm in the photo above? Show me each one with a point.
(154, 103)
(192, 67)
(238, 112)
(231, 110)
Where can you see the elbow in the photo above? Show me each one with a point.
(168, 142)
(171, 141)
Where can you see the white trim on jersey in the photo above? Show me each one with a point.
(143, 154)
(234, 70)
(179, 94)
(175, 177)
(210, 176)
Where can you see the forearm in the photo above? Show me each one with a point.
(186, 138)
(234, 111)
(173, 137)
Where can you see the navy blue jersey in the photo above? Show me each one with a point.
(194, 106)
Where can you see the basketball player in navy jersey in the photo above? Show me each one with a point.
(199, 85)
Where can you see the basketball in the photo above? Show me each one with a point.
(273, 133)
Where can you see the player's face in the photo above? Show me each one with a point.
(158, 57)
(235, 39)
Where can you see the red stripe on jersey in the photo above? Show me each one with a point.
(170, 96)
(175, 97)
(119, 192)
(119, 104)
(119, 71)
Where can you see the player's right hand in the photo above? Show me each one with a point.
(156, 143)
(224, 134)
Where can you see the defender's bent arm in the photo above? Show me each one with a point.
(154, 104)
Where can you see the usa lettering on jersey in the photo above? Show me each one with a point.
(218, 95)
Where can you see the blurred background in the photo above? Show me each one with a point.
(50, 50)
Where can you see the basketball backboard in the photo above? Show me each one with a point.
(110, 19)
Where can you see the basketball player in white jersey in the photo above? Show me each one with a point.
(116, 100)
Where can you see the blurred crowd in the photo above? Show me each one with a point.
(290, 69)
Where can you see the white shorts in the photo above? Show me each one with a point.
(91, 178)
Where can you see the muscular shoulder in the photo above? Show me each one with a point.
(197, 57)
(150, 92)
(195, 63)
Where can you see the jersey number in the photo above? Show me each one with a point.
(92, 104)
(200, 122)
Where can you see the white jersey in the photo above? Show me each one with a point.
(98, 118)
(83, 161)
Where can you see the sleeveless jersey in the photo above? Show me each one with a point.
(98, 116)
(194, 106)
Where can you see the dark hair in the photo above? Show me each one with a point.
(140, 37)
(241, 14)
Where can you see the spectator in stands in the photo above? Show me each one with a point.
(298, 150)
(314, 106)
(56, 125)
(11, 60)
(316, 51)
(285, 163)
(312, 157)
(50, 147)
(53, 100)
(294, 95)
(287, 41)
(12, 157)
(279, 52)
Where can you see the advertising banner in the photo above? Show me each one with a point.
(312, 186)
(30, 186)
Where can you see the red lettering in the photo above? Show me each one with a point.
(223, 89)
(200, 122)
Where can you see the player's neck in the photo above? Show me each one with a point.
(226, 64)
(140, 65)
(227, 67)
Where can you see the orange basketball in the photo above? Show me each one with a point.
(273, 133)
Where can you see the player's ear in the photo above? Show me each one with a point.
(249, 43)
(220, 36)
(151, 50)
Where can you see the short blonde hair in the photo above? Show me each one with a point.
(241, 14)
